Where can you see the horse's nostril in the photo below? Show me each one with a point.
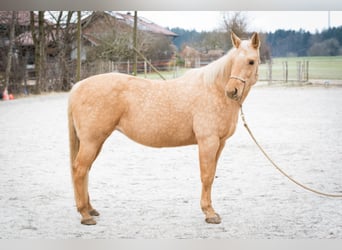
(235, 92)
(232, 94)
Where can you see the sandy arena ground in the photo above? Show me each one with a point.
(151, 193)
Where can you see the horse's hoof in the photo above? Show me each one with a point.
(214, 220)
(88, 221)
(94, 212)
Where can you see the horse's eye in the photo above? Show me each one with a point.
(251, 62)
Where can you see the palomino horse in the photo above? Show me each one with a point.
(200, 107)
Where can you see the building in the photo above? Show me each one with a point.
(102, 27)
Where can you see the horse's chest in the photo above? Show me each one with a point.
(225, 126)
(228, 128)
(215, 120)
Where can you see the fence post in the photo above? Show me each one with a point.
(128, 67)
(145, 68)
(285, 71)
(174, 68)
(307, 70)
(298, 71)
(270, 71)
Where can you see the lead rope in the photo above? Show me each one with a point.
(277, 167)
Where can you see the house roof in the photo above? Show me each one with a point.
(189, 52)
(23, 18)
(128, 19)
(144, 24)
(25, 38)
(92, 39)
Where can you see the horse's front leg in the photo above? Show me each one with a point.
(209, 151)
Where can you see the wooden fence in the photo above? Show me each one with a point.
(101, 66)
(303, 69)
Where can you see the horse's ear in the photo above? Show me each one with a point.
(255, 40)
(235, 39)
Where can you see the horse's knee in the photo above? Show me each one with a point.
(207, 179)
(79, 172)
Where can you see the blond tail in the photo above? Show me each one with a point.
(74, 142)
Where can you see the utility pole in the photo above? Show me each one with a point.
(78, 60)
(135, 27)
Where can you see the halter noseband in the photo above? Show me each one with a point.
(238, 78)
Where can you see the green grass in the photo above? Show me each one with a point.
(321, 68)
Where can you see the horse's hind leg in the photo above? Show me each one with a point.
(92, 211)
(85, 157)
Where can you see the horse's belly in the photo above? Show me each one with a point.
(160, 133)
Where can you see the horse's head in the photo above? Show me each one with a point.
(244, 67)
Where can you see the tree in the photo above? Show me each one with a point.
(10, 50)
(116, 42)
(213, 40)
(303, 43)
(329, 47)
(63, 37)
(156, 47)
(38, 38)
(186, 37)
(135, 43)
(289, 42)
(114, 47)
(236, 22)
(265, 50)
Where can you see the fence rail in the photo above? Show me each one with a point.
(279, 70)
(292, 69)
(126, 67)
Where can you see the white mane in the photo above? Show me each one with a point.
(214, 70)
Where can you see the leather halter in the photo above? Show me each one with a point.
(243, 89)
(244, 84)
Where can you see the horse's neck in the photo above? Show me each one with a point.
(215, 74)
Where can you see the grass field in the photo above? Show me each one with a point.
(320, 68)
